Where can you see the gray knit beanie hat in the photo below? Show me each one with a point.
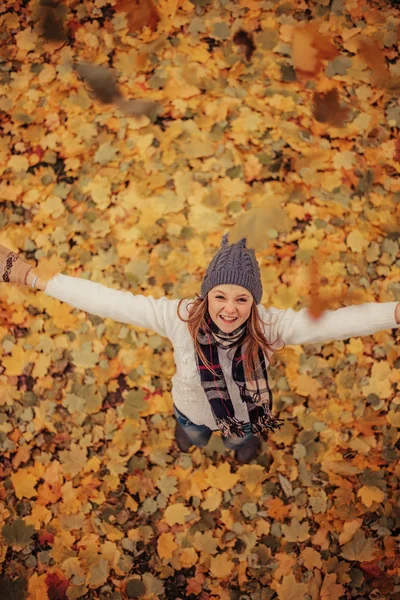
(234, 264)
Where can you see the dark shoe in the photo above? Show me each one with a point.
(247, 453)
(181, 438)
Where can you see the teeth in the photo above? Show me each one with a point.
(228, 319)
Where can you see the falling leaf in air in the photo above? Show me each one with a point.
(327, 108)
(139, 107)
(254, 224)
(243, 39)
(310, 48)
(102, 82)
(319, 303)
(139, 13)
(51, 22)
(375, 59)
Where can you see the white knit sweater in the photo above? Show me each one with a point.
(160, 315)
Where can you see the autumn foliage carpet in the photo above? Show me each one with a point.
(133, 135)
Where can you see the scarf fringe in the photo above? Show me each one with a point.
(264, 422)
(232, 427)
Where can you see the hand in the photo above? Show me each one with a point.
(12, 268)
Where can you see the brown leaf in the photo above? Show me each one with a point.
(139, 13)
(51, 24)
(328, 110)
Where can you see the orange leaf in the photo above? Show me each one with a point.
(375, 60)
(140, 13)
(309, 48)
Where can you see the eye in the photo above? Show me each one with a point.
(244, 299)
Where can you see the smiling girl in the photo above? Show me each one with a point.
(222, 344)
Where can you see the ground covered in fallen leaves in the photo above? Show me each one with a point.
(134, 134)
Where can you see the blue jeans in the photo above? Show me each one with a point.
(200, 434)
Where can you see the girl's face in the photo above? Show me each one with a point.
(229, 301)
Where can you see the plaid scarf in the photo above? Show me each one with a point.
(256, 393)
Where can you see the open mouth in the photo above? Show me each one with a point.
(225, 320)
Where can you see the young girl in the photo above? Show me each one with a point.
(222, 343)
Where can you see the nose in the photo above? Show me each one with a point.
(230, 310)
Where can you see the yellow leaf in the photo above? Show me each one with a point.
(166, 545)
(221, 477)
(213, 499)
(176, 513)
(393, 418)
(41, 365)
(72, 567)
(24, 484)
(37, 587)
(100, 191)
(40, 515)
(53, 206)
(349, 529)
(26, 39)
(289, 589)
(305, 385)
(49, 267)
(357, 242)
(73, 460)
(370, 494)
(355, 346)
(15, 363)
(18, 163)
(61, 313)
(112, 533)
(221, 566)
(188, 557)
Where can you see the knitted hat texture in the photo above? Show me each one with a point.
(234, 264)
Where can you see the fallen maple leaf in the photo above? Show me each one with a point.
(56, 586)
(327, 108)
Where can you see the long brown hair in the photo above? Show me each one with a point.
(253, 340)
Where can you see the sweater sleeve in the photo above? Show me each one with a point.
(297, 327)
(100, 300)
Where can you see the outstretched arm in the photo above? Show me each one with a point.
(298, 327)
(95, 298)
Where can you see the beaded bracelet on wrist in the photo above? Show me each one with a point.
(10, 259)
